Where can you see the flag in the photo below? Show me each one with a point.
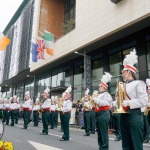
(4, 41)
(49, 42)
(34, 52)
(40, 49)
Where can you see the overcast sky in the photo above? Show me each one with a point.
(7, 10)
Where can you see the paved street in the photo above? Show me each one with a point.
(31, 139)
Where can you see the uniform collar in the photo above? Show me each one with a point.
(130, 81)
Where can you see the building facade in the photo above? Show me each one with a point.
(103, 30)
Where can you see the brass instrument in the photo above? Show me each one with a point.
(88, 107)
(60, 104)
(121, 94)
(41, 103)
(147, 107)
(92, 103)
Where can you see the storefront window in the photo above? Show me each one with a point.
(97, 72)
(54, 80)
(60, 79)
(148, 58)
(78, 81)
(41, 86)
(47, 82)
(67, 77)
(115, 64)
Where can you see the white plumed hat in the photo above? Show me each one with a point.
(47, 90)
(69, 89)
(130, 60)
(27, 93)
(148, 83)
(64, 94)
(87, 93)
(105, 79)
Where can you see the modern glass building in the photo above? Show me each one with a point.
(101, 29)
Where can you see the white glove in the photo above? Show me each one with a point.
(115, 104)
(148, 104)
(125, 103)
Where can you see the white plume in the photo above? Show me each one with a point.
(56, 97)
(148, 82)
(106, 78)
(69, 89)
(131, 58)
(87, 91)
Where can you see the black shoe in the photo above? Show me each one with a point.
(92, 132)
(43, 133)
(87, 134)
(23, 128)
(63, 140)
(51, 127)
(146, 141)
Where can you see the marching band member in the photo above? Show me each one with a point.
(26, 110)
(45, 111)
(13, 109)
(87, 112)
(148, 106)
(56, 112)
(60, 104)
(103, 100)
(146, 115)
(53, 109)
(66, 113)
(36, 108)
(17, 111)
(6, 110)
(136, 98)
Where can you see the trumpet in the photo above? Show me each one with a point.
(92, 103)
(121, 94)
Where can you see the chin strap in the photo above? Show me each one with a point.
(127, 75)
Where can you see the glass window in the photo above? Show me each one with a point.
(41, 85)
(31, 89)
(115, 61)
(60, 79)
(67, 77)
(148, 58)
(54, 80)
(97, 69)
(47, 82)
(78, 81)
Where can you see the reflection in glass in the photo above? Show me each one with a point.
(78, 82)
(47, 82)
(148, 58)
(115, 64)
(60, 79)
(54, 80)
